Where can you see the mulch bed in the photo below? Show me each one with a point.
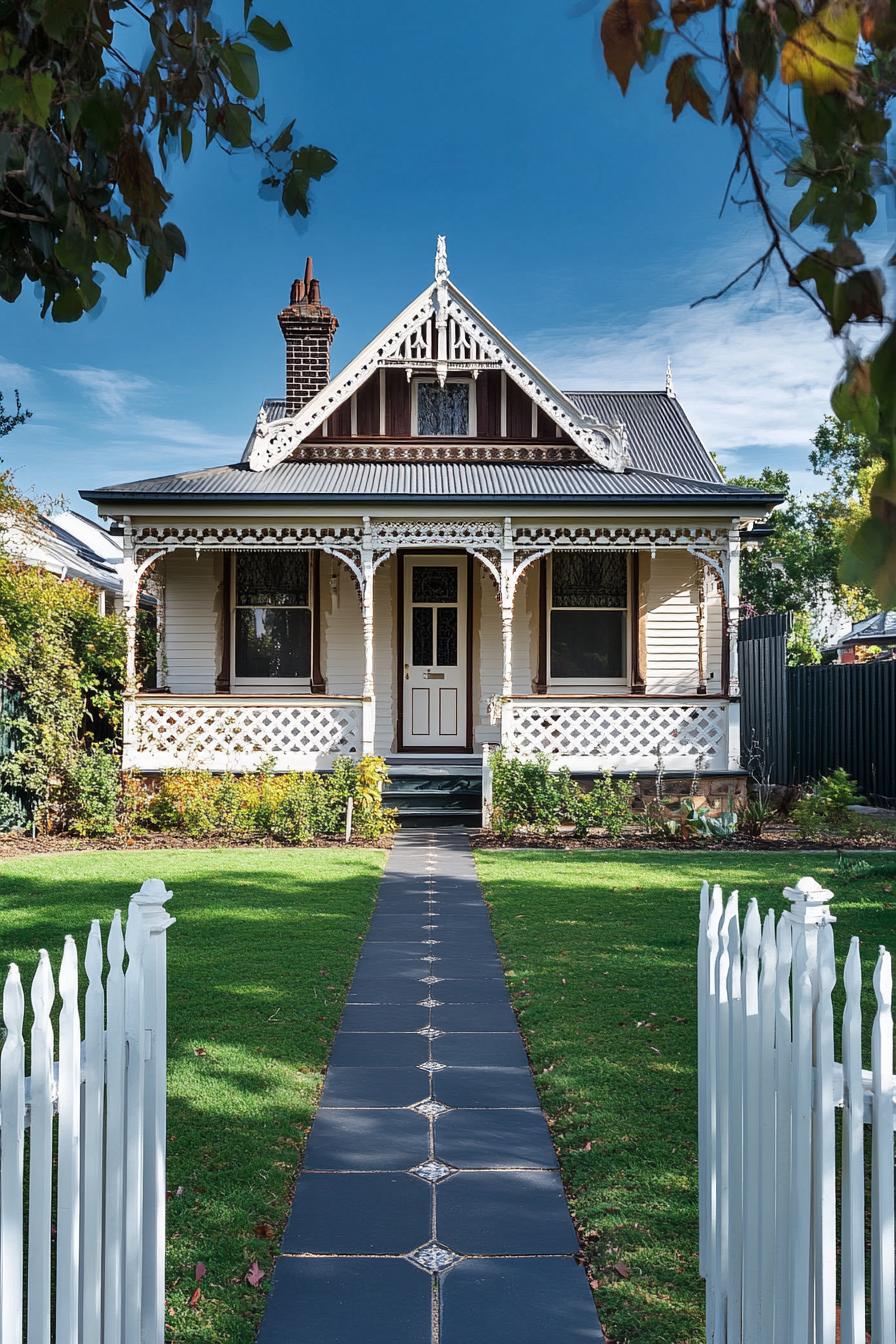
(14, 846)
(775, 838)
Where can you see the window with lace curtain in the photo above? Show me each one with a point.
(588, 616)
(272, 616)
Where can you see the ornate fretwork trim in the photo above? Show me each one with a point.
(459, 340)
(468, 451)
(635, 536)
(239, 538)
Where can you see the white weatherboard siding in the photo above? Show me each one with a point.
(192, 615)
(341, 642)
(671, 621)
(487, 647)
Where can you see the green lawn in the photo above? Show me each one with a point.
(259, 961)
(600, 951)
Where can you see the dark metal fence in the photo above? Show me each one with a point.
(807, 721)
(762, 654)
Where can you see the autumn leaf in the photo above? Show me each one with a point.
(821, 54)
(684, 88)
(682, 10)
(622, 1269)
(200, 1272)
(254, 1275)
(624, 31)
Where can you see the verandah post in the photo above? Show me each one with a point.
(150, 903)
(368, 707)
(506, 593)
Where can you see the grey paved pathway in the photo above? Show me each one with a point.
(429, 1209)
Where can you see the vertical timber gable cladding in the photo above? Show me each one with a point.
(361, 416)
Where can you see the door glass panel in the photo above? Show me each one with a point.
(434, 583)
(446, 636)
(421, 640)
(587, 644)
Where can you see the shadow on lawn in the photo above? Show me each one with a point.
(259, 963)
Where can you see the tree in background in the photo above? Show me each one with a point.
(88, 129)
(797, 567)
(808, 88)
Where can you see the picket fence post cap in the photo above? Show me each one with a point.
(151, 900)
(809, 901)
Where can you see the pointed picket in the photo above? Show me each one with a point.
(883, 1250)
(68, 1181)
(824, 1213)
(765, 1298)
(800, 1215)
(735, 1122)
(702, 1080)
(40, 1164)
(723, 1111)
(135, 944)
(714, 918)
(113, 1298)
(783, 1054)
(12, 1151)
(92, 1142)
(852, 1235)
(750, 1184)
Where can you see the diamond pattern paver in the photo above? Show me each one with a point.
(430, 1209)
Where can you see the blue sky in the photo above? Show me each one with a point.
(583, 223)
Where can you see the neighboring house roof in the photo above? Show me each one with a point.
(872, 630)
(450, 481)
(47, 543)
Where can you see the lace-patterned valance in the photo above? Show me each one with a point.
(443, 410)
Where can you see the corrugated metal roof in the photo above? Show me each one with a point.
(408, 481)
(660, 436)
(881, 625)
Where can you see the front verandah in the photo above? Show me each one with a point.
(680, 707)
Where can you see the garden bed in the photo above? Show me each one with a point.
(775, 838)
(15, 846)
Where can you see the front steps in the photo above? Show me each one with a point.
(433, 791)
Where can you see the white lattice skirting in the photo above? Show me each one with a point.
(203, 734)
(620, 735)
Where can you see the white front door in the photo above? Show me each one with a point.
(435, 653)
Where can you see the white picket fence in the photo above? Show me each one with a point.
(769, 1087)
(105, 1100)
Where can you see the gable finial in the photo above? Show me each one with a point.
(670, 388)
(442, 272)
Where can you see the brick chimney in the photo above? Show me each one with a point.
(308, 327)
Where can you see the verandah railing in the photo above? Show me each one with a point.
(771, 1219)
(96, 1118)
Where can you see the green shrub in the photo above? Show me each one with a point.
(91, 792)
(186, 800)
(13, 814)
(824, 805)
(370, 820)
(607, 806)
(529, 795)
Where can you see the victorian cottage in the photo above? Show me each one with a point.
(434, 551)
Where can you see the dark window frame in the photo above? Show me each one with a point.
(311, 605)
(565, 683)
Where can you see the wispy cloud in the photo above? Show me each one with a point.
(113, 390)
(754, 373)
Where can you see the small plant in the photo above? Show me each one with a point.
(852, 869)
(754, 815)
(824, 805)
(186, 800)
(370, 820)
(91, 793)
(695, 821)
(527, 794)
(607, 806)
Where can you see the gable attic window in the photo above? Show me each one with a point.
(272, 617)
(443, 412)
(588, 616)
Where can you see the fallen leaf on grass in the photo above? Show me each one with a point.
(265, 1229)
(622, 1269)
(254, 1275)
(200, 1272)
(194, 1297)
(200, 1050)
